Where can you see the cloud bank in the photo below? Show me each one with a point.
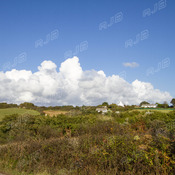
(73, 86)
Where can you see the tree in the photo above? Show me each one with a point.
(5, 105)
(112, 106)
(173, 102)
(143, 103)
(105, 104)
(27, 105)
(165, 104)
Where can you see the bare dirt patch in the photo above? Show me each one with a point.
(54, 113)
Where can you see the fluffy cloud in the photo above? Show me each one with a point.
(132, 65)
(72, 85)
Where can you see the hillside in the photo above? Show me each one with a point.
(20, 111)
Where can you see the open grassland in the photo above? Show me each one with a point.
(20, 111)
(156, 109)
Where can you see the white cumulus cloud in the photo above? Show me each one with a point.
(132, 64)
(73, 86)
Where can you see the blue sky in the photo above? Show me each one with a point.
(24, 22)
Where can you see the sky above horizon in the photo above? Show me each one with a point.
(124, 51)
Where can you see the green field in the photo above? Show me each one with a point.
(156, 109)
(9, 111)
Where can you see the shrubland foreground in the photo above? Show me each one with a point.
(86, 142)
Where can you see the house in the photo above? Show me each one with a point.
(121, 104)
(102, 109)
(149, 106)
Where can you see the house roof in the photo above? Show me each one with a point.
(121, 104)
(103, 109)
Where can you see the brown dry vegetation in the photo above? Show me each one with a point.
(52, 113)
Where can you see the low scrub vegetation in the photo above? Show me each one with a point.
(129, 142)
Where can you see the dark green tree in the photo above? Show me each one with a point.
(165, 104)
(173, 102)
(27, 105)
(143, 103)
(105, 104)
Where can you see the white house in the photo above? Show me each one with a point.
(149, 106)
(102, 109)
(121, 104)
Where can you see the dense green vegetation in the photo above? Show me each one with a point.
(5, 105)
(156, 109)
(86, 142)
(173, 102)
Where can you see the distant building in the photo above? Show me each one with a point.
(149, 106)
(121, 104)
(102, 109)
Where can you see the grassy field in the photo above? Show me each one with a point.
(157, 109)
(9, 111)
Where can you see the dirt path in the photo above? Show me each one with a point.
(52, 113)
(3, 173)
